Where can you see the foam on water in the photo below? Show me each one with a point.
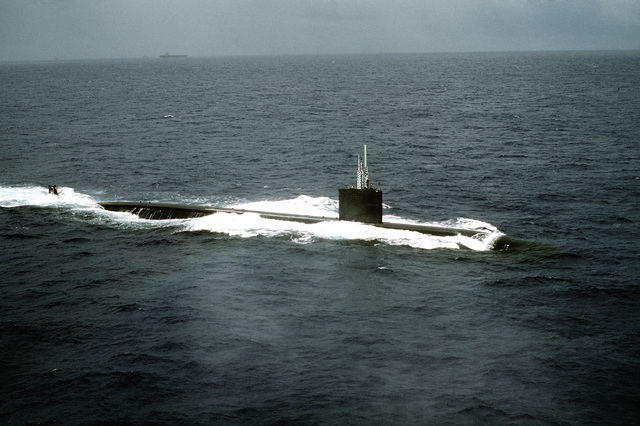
(38, 196)
(248, 225)
(69, 199)
(303, 204)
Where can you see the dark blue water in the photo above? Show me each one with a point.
(105, 317)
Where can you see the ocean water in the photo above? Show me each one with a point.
(226, 319)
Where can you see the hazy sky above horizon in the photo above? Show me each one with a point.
(79, 29)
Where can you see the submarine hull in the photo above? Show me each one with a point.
(361, 204)
(159, 211)
(164, 211)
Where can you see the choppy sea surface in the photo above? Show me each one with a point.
(109, 318)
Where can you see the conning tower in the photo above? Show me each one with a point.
(362, 203)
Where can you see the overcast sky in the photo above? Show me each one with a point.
(77, 29)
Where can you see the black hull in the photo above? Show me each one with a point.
(163, 211)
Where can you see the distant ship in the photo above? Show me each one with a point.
(167, 55)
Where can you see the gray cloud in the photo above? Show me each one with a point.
(47, 29)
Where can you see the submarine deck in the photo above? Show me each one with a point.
(161, 211)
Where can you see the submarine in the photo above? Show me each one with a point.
(360, 203)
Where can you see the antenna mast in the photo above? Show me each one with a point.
(363, 171)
